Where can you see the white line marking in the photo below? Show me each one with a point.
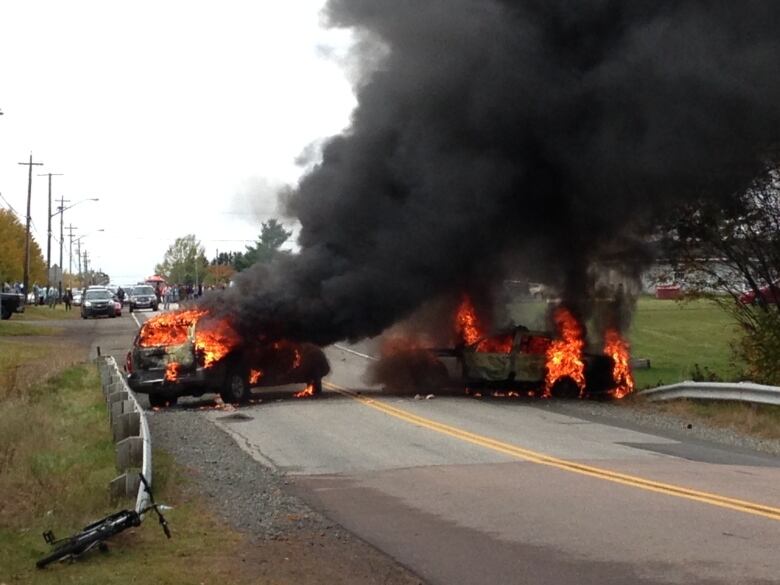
(357, 353)
(135, 319)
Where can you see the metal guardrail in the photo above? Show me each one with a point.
(131, 434)
(734, 391)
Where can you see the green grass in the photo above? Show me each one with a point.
(22, 328)
(678, 336)
(45, 313)
(56, 459)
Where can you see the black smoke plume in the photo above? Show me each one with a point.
(546, 130)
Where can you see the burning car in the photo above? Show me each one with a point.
(549, 364)
(190, 353)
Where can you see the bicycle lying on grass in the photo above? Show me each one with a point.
(96, 533)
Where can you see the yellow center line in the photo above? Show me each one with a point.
(543, 459)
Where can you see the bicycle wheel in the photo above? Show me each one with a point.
(74, 546)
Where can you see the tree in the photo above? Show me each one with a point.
(184, 262)
(724, 249)
(219, 274)
(272, 237)
(12, 238)
(228, 259)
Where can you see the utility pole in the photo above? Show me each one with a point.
(48, 238)
(71, 227)
(29, 165)
(86, 264)
(62, 239)
(78, 255)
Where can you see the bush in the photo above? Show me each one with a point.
(759, 348)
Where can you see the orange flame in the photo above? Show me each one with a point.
(172, 372)
(466, 324)
(254, 376)
(618, 349)
(214, 341)
(168, 328)
(214, 338)
(470, 331)
(564, 355)
(306, 392)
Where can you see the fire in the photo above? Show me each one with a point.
(618, 349)
(213, 338)
(254, 376)
(168, 328)
(466, 324)
(214, 341)
(306, 392)
(564, 355)
(172, 372)
(470, 331)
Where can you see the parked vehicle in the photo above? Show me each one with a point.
(117, 307)
(177, 354)
(769, 294)
(11, 303)
(77, 297)
(143, 297)
(96, 302)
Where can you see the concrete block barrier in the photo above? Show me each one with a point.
(125, 485)
(130, 432)
(129, 453)
(127, 424)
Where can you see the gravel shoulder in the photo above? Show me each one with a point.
(287, 541)
(645, 417)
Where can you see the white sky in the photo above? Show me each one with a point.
(175, 114)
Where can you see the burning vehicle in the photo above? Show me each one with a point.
(536, 362)
(190, 353)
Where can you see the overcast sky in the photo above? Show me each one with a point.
(180, 116)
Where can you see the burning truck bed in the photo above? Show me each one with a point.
(190, 353)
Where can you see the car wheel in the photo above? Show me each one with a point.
(565, 388)
(6, 314)
(131, 308)
(236, 387)
(316, 387)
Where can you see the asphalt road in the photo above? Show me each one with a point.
(465, 491)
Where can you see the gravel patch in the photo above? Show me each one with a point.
(680, 428)
(248, 495)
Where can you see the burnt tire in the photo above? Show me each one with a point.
(5, 314)
(236, 387)
(316, 387)
(565, 388)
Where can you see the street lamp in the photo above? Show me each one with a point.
(61, 210)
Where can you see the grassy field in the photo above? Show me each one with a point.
(58, 480)
(44, 313)
(679, 336)
(56, 459)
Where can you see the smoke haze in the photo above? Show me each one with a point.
(551, 131)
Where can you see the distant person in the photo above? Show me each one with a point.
(51, 296)
(67, 298)
(167, 294)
